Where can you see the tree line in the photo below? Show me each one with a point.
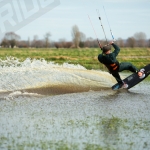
(79, 40)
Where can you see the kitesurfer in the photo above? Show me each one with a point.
(108, 58)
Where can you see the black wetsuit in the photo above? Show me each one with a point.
(110, 60)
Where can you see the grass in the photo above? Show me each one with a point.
(86, 57)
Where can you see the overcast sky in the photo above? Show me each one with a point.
(126, 17)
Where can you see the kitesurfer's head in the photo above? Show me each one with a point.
(106, 48)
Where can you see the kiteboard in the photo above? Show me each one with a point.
(133, 79)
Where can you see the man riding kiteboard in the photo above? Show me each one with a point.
(108, 58)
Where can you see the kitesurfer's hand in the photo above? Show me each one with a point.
(112, 42)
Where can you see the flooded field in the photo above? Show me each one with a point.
(81, 112)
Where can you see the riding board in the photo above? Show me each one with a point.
(133, 79)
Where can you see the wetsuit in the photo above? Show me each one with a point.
(114, 67)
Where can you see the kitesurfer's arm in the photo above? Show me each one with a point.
(117, 49)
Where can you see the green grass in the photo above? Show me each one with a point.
(86, 57)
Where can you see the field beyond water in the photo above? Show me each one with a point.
(86, 57)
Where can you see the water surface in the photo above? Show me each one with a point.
(48, 106)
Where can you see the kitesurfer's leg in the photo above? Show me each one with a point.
(117, 77)
(132, 68)
(119, 80)
(127, 66)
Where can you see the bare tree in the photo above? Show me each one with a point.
(46, 37)
(34, 42)
(22, 44)
(5, 43)
(120, 42)
(82, 39)
(89, 42)
(11, 39)
(68, 44)
(57, 45)
(39, 44)
(131, 42)
(76, 36)
(63, 44)
(29, 44)
(140, 38)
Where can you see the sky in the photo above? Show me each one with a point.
(28, 18)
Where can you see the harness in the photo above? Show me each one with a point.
(113, 67)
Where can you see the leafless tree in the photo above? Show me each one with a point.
(39, 44)
(5, 43)
(23, 44)
(82, 39)
(140, 38)
(68, 44)
(75, 36)
(34, 42)
(57, 45)
(88, 42)
(131, 42)
(120, 42)
(11, 39)
(29, 44)
(46, 38)
(63, 44)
